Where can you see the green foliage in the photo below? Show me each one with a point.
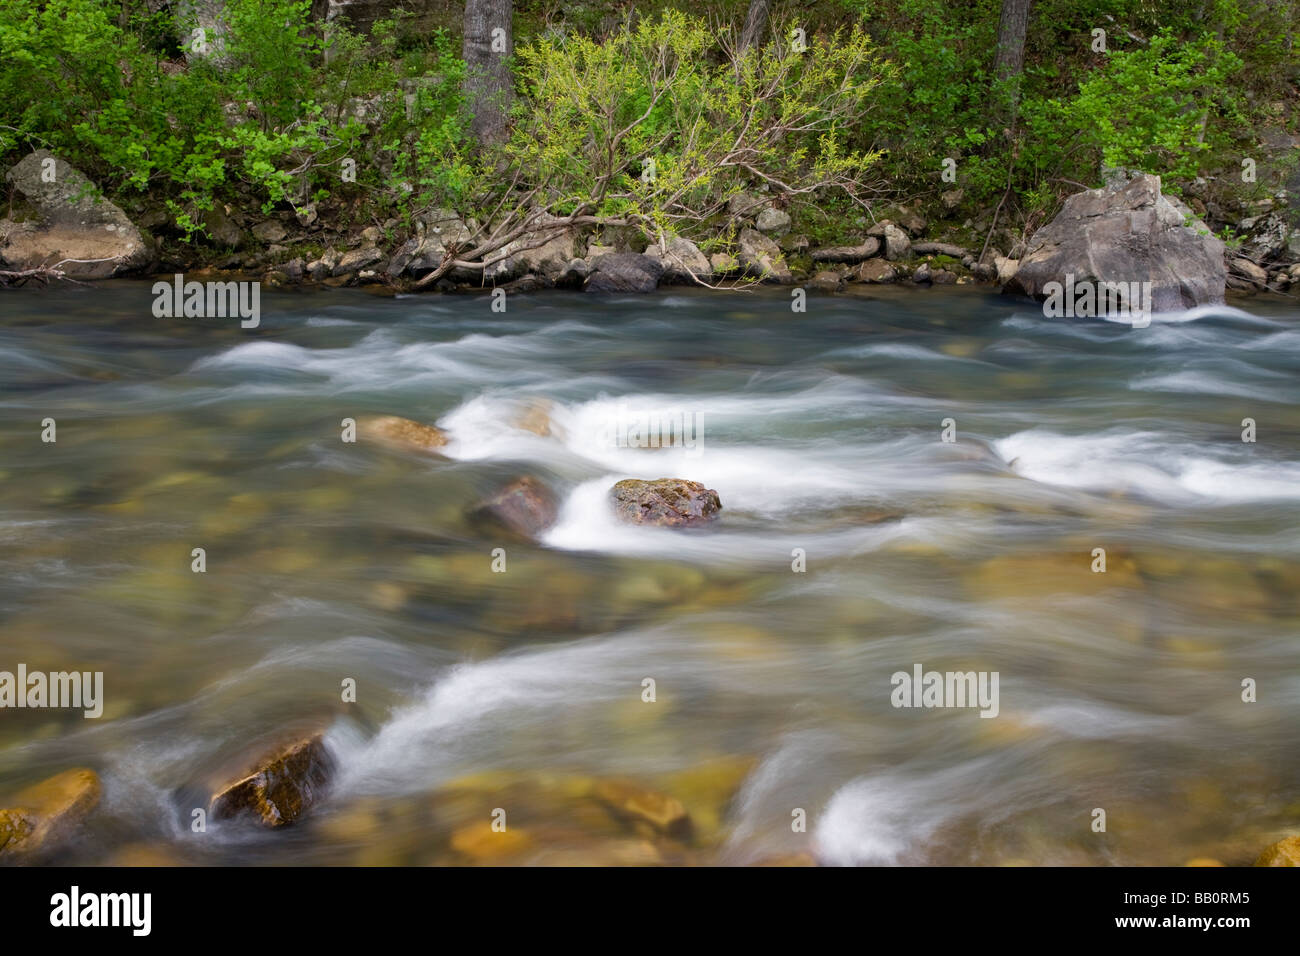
(655, 127)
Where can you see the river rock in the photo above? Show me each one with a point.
(281, 785)
(826, 281)
(1124, 232)
(682, 259)
(271, 230)
(665, 502)
(897, 244)
(526, 507)
(75, 230)
(1246, 276)
(640, 805)
(401, 433)
(436, 233)
(939, 248)
(356, 260)
(623, 272)
(1283, 853)
(761, 258)
(544, 252)
(877, 270)
(44, 814)
(772, 221)
(869, 248)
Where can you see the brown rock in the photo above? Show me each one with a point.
(665, 502)
(525, 507)
(877, 270)
(1283, 853)
(283, 785)
(636, 804)
(43, 814)
(401, 433)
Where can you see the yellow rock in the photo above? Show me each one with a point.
(142, 854)
(282, 786)
(707, 790)
(400, 433)
(44, 813)
(637, 804)
(1202, 861)
(1283, 853)
(480, 843)
(787, 859)
(535, 417)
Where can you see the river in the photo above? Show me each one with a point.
(825, 435)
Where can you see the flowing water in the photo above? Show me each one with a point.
(478, 690)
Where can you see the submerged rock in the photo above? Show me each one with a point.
(636, 804)
(1126, 231)
(665, 502)
(401, 433)
(44, 814)
(282, 786)
(77, 230)
(1283, 853)
(525, 507)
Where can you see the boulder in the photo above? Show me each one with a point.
(772, 221)
(922, 273)
(1126, 232)
(43, 815)
(724, 264)
(665, 502)
(1246, 276)
(525, 508)
(682, 259)
(1283, 853)
(1006, 269)
(356, 260)
(280, 786)
(545, 253)
(877, 270)
(897, 244)
(643, 807)
(621, 272)
(400, 433)
(848, 253)
(270, 230)
(826, 281)
(436, 232)
(761, 258)
(75, 230)
(574, 274)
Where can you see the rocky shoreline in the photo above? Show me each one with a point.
(1128, 230)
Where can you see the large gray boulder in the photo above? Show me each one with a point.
(74, 230)
(624, 272)
(683, 261)
(1126, 231)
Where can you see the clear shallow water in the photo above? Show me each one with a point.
(821, 431)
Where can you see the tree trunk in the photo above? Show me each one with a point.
(487, 77)
(1012, 28)
(755, 24)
